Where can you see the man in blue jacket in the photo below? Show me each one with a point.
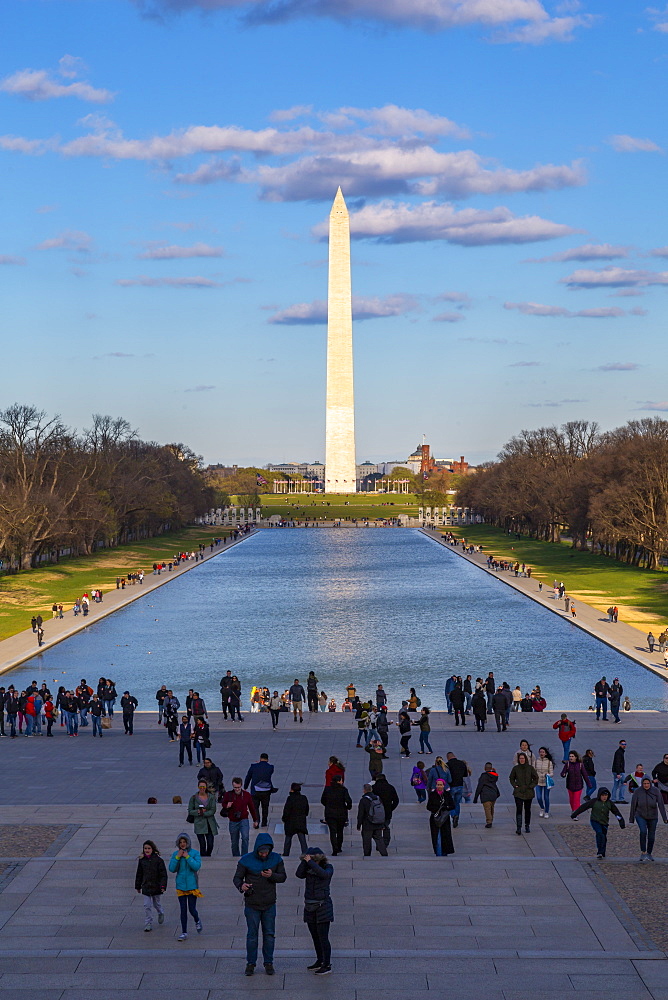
(259, 778)
(257, 875)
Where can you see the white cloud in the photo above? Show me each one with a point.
(397, 222)
(29, 147)
(614, 277)
(174, 252)
(630, 144)
(10, 259)
(525, 364)
(69, 239)
(537, 309)
(648, 404)
(588, 251)
(461, 298)
(289, 114)
(147, 282)
(554, 29)
(311, 313)
(392, 120)
(659, 252)
(618, 366)
(448, 317)
(41, 85)
(200, 388)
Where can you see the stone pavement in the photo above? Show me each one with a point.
(624, 638)
(23, 646)
(508, 917)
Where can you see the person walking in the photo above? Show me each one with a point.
(387, 794)
(499, 708)
(457, 702)
(260, 780)
(576, 779)
(601, 692)
(419, 781)
(376, 757)
(235, 807)
(275, 709)
(202, 813)
(201, 740)
(601, 807)
(458, 770)
(95, 714)
(646, 804)
(616, 692)
(544, 766)
(404, 733)
(618, 773)
(317, 873)
(438, 770)
(479, 706)
(660, 777)
(128, 706)
(651, 641)
(337, 802)
(382, 725)
(213, 776)
(256, 877)
(185, 863)
(425, 729)
(525, 748)
(295, 812)
(297, 698)
(362, 717)
(565, 731)
(185, 740)
(370, 821)
(312, 691)
(439, 805)
(151, 883)
(590, 767)
(523, 779)
(487, 791)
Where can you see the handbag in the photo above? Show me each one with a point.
(549, 781)
(312, 905)
(106, 722)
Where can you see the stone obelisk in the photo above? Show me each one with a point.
(340, 468)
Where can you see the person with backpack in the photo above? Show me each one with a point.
(294, 818)
(439, 805)
(565, 731)
(151, 882)
(488, 792)
(337, 802)
(419, 781)
(370, 821)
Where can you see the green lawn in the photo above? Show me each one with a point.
(34, 591)
(329, 506)
(640, 594)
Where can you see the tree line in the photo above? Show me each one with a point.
(65, 490)
(607, 490)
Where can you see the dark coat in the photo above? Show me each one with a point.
(487, 790)
(618, 761)
(151, 877)
(337, 802)
(316, 888)
(387, 794)
(295, 812)
(576, 776)
(479, 705)
(457, 697)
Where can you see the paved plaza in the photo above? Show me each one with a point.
(508, 917)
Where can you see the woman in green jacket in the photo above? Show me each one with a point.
(524, 779)
(601, 807)
(202, 809)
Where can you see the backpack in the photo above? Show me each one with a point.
(376, 811)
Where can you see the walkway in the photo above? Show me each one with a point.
(624, 638)
(23, 646)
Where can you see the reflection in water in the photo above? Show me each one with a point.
(370, 605)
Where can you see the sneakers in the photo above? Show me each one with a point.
(527, 829)
(198, 926)
(547, 815)
(541, 813)
(161, 918)
(324, 970)
(182, 937)
(643, 858)
(650, 858)
(518, 832)
(269, 969)
(488, 826)
(250, 969)
(312, 968)
(149, 927)
(600, 857)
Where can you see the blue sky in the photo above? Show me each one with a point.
(168, 167)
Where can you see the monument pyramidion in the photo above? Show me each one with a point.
(340, 468)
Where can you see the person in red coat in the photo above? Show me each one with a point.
(566, 731)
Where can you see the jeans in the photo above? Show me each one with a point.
(29, 724)
(109, 707)
(456, 793)
(362, 733)
(617, 793)
(320, 935)
(647, 828)
(205, 844)
(468, 701)
(601, 832)
(84, 714)
(72, 721)
(592, 787)
(566, 744)
(614, 708)
(602, 703)
(500, 719)
(255, 918)
(188, 903)
(200, 752)
(543, 796)
(288, 843)
(97, 726)
(274, 717)
(239, 829)
(489, 703)
(421, 794)
(11, 721)
(424, 742)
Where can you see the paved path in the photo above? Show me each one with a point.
(624, 638)
(23, 645)
(506, 917)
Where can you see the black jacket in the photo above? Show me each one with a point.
(499, 703)
(479, 705)
(458, 771)
(213, 776)
(487, 790)
(457, 697)
(128, 704)
(263, 890)
(435, 801)
(316, 888)
(295, 812)
(151, 877)
(602, 689)
(618, 764)
(363, 821)
(387, 794)
(337, 802)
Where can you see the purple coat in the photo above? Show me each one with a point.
(575, 775)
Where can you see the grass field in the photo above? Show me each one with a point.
(34, 591)
(329, 506)
(640, 594)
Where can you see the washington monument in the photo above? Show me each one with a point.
(340, 469)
